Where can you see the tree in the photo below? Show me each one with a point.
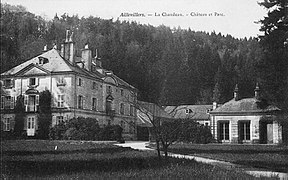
(272, 68)
(45, 114)
(19, 116)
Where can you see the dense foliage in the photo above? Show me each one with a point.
(168, 66)
(273, 67)
(85, 129)
(19, 117)
(45, 115)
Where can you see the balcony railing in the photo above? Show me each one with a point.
(31, 108)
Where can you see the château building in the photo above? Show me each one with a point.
(80, 87)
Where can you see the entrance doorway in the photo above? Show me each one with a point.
(31, 126)
(266, 132)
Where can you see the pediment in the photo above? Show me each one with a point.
(32, 69)
(110, 80)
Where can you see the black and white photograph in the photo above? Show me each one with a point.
(144, 89)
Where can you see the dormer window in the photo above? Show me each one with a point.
(43, 60)
(188, 111)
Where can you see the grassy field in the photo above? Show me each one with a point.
(36, 159)
(270, 157)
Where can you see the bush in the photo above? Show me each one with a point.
(85, 129)
(196, 133)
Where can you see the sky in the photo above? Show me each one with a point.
(234, 17)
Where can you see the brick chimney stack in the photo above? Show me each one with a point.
(87, 57)
(67, 48)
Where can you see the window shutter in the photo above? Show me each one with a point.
(2, 102)
(12, 102)
(26, 102)
(13, 82)
(37, 100)
(37, 81)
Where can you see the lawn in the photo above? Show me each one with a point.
(35, 159)
(271, 157)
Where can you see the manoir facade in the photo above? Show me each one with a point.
(79, 87)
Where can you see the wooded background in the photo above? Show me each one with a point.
(169, 66)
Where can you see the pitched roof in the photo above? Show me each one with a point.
(145, 112)
(56, 63)
(197, 112)
(247, 105)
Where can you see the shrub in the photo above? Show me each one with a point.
(196, 133)
(57, 132)
(85, 129)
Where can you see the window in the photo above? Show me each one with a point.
(188, 111)
(94, 85)
(59, 119)
(122, 108)
(109, 90)
(32, 81)
(31, 102)
(80, 102)
(224, 130)
(8, 83)
(122, 92)
(94, 104)
(61, 81)
(7, 102)
(2, 102)
(80, 82)
(244, 130)
(131, 110)
(6, 124)
(60, 103)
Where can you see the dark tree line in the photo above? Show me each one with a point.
(168, 66)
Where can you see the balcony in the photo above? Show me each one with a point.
(31, 108)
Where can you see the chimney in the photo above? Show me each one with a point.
(236, 93)
(87, 57)
(62, 50)
(214, 105)
(98, 60)
(72, 49)
(45, 48)
(67, 49)
(257, 92)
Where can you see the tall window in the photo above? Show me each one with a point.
(2, 102)
(122, 108)
(94, 104)
(244, 130)
(109, 90)
(131, 110)
(32, 81)
(7, 124)
(224, 130)
(94, 85)
(122, 92)
(60, 103)
(80, 102)
(7, 102)
(80, 82)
